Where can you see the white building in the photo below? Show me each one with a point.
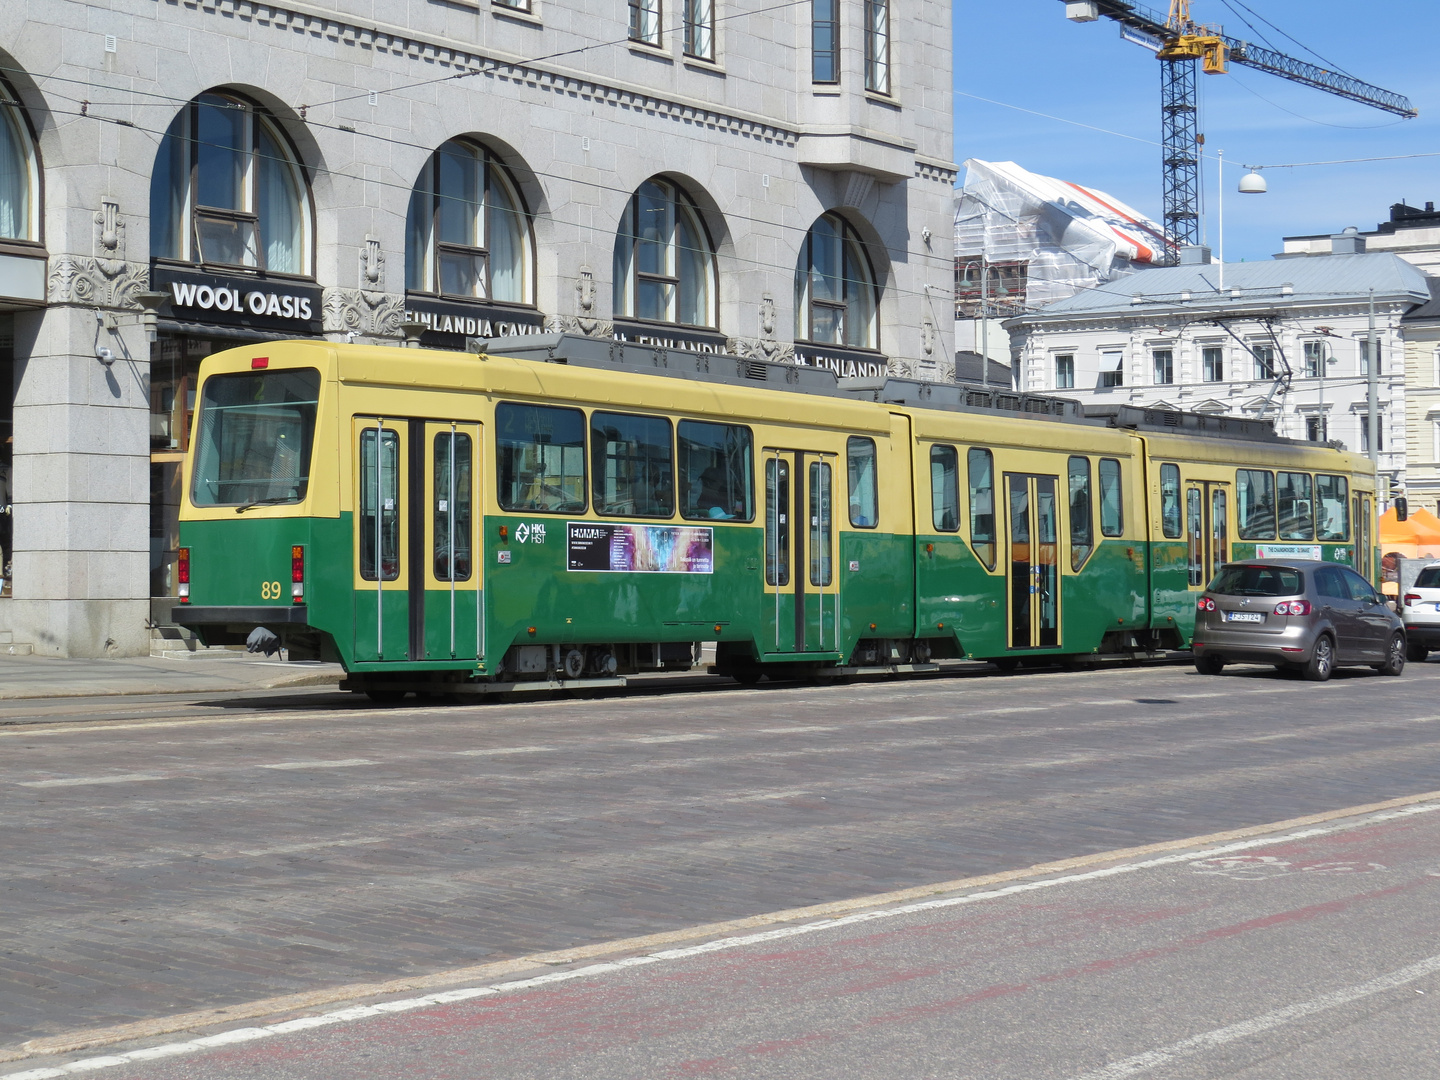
(771, 181)
(1284, 339)
(1411, 233)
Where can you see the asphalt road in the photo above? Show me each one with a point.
(1306, 955)
(163, 857)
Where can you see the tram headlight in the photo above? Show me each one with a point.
(297, 574)
(182, 574)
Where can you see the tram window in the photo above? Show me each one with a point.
(821, 523)
(540, 456)
(1292, 496)
(1170, 501)
(450, 511)
(1195, 528)
(254, 438)
(631, 462)
(864, 498)
(1255, 496)
(777, 521)
(1332, 493)
(716, 471)
(945, 488)
(981, 466)
(1082, 523)
(1112, 505)
(380, 488)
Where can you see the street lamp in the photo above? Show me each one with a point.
(1325, 359)
(1252, 183)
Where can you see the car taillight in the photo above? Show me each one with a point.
(1293, 607)
(1412, 597)
(182, 574)
(297, 574)
(1205, 604)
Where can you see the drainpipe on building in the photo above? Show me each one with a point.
(1372, 371)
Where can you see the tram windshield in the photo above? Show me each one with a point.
(254, 438)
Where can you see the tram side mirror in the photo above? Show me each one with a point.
(1402, 508)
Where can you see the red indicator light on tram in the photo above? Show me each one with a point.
(297, 574)
(257, 362)
(182, 574)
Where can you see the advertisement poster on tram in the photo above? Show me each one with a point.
(652, 549)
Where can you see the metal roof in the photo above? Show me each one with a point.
(1327, 279)
(1428, 310)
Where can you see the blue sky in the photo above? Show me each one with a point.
(1025, 53)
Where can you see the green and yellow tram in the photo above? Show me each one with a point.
(578, 510)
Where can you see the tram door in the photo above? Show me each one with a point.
(1364, 557)
(382, 539)
(452, 611)
(1207, 525)
(1034, 564)
(802, 591)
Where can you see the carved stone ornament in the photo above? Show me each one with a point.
(105, 279)
(767, 315)
(927, 336)
(585, 290)
(779, 352)
(569, 324)
(362, 313)
(372, 265)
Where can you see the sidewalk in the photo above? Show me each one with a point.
(46, 677)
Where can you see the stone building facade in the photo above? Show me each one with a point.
(179, 176)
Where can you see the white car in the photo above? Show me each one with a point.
(1420, 608)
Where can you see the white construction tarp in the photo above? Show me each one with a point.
(1066, 236)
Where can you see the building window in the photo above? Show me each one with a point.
(836, 296)
(1065, 372)
(1435, 366)
(825, 41)
(1365, 433)
(700, 29)
(1213, 360)
(1435, 440)
(1315, 429)
(1365, 357)
(513, 5)
(1264, 362)
(645, 21)
(877, 46)
(664, 265)
(1112, 370)
(467, 232)
(228, 191)
(19, 176)
(1164, 366)
(1315, 359)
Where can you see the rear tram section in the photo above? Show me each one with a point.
(578, 510)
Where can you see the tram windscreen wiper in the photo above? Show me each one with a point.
(273, 501)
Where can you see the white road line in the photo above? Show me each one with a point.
(76, 781)
(768, 795)
(361, 1012)
(792, 730)
(690, 737)
(291, 849)
(907, 719)
(344, 763)
(1197, 1044)
(504, 750)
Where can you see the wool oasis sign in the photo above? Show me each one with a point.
(237, 300)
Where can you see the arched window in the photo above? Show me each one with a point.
(664, 265)
(228, 191)
(19, 176)
(467, 232)
(835, 292)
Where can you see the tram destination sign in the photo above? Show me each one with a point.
(646, 549)
(240, 300)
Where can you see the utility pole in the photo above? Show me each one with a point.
(1220, 157)
(984, 323)
(1372, 371)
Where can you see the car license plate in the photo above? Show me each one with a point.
(1244, 616)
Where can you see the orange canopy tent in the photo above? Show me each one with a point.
(1417, 537)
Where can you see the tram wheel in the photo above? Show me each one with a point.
(1006, 664)
(746, 674)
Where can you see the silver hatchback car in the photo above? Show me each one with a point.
(1312, 616)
